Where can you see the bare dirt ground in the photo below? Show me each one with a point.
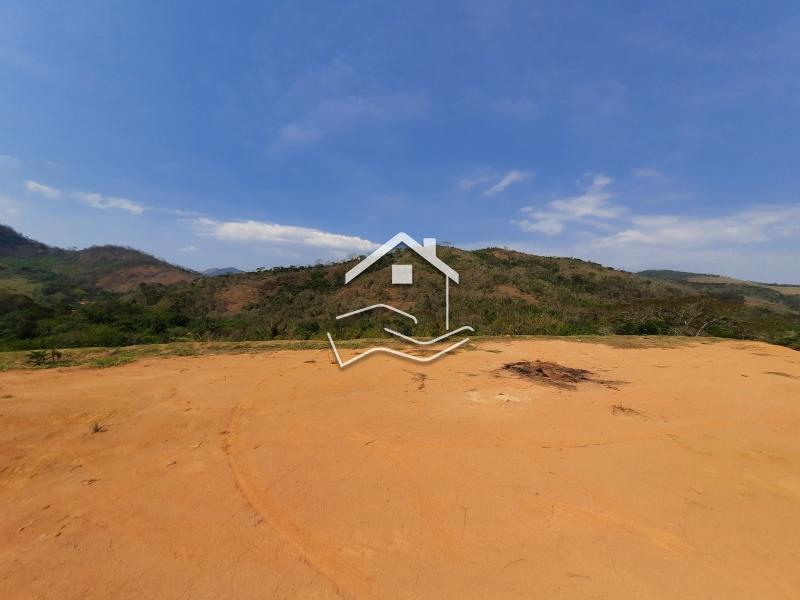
(279, 476)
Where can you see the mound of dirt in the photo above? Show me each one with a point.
(550, 373)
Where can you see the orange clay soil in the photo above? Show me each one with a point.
(280, 476)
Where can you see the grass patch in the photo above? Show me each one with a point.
(615, 341)
(186, 351)
(114, 359)
(104, 357)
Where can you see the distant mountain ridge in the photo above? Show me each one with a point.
(28, 265)
(778, 296)
(113, 296)
(670, 275)
(221, 271)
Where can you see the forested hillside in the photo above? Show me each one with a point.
(112, 296)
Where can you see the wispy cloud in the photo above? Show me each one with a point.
(48, 192)
(506, 181)
(758, 224)
(92, 199)
(589, 207)
(542, 224)
(96, 200)
(265, 232)
(730, 243)
(477, 179)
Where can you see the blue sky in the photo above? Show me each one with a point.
(639, 135)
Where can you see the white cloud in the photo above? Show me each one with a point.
(758, 224)
(178, 212)
(105, 202)
(588, 207)
(546, 226)
(48, 192)
(758, 242)
(478, 178)
(593, 203)
(94, 200)
(262, 231)
(507, 180)
(189, 248)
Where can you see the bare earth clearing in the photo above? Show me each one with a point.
(279, 476)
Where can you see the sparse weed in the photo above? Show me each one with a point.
(185, 351)
(44, 358)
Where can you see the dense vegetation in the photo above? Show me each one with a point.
(110, 296)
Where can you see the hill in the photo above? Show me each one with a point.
(501, 292)
(42, 286)
(13, 243)
(48, 274)
(779, 297)
(108, 296)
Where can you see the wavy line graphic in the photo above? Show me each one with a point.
(366, 308)
(419, 359)
(428, 342)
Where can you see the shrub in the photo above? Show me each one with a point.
(42, 358)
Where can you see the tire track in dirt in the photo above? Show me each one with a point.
(263, 502)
